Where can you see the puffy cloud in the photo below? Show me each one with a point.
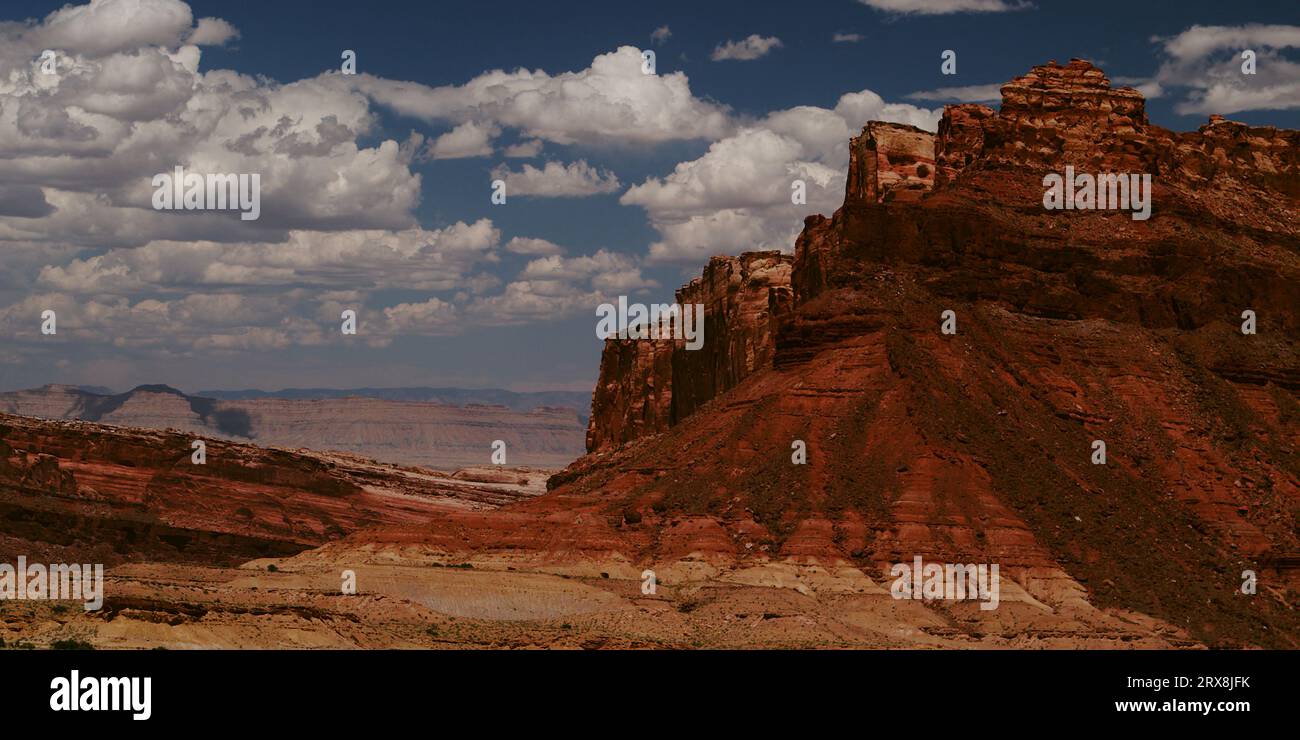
(431, 317)
(747, 49)
(554, 287)
(212, 32)
(859, 107)
(736, 172)
(524, 149)
(417, 259)
(737, 195)
(610, 100)
(965, 94)
(530, 301)
(527, 245)
(1148, 86)
(661, 34)
(78, 150)
(694, 239)
(104, 26)
(196, 322)
(482, 283)
(556, 180)
(555, 267)
(470, 139)
(1206, 62)
(93, 134)
(128, 101)
(1198, 42)
(945, 7)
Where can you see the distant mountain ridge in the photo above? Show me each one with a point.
(445, 430)
(579, 401)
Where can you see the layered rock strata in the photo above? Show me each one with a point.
(648, 385)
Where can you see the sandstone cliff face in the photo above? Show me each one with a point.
(1221, 238)
(1059, 115)
(745, 299)
(1069, 114)
(633, 395)
(1073, 326)
(890, 161)
(647, 385)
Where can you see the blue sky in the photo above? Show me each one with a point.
(448, 43)
(444, 298)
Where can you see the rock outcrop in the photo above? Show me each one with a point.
(1069, 115)
(890, 161)
(648, 385)
(634, 392)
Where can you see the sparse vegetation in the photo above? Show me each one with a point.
(71, 644)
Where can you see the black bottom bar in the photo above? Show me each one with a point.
(925, 689)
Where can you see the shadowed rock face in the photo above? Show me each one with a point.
(648, 385)
(1072, 327)
(633, 395)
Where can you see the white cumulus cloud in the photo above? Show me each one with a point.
(557, 180)
(946, 7)
(747, 49)
(610, 100)
(1206, 63)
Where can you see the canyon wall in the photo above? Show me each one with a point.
(648, 385)
(1221, 195)
(633, 395)
(1059, 115)
(1221, 177)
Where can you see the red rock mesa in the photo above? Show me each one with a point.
(974, 447)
